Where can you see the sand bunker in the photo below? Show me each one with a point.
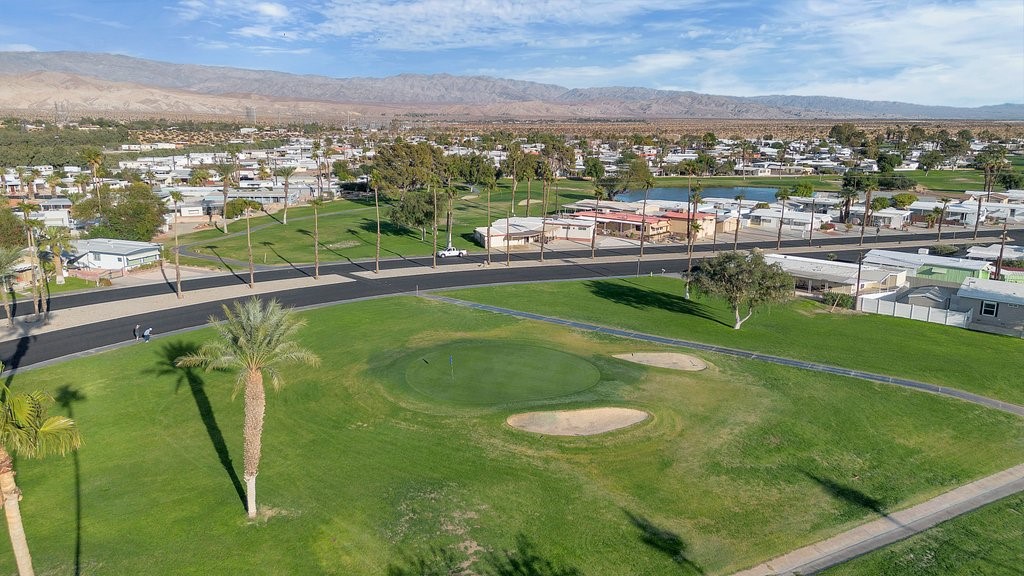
(670, 360)
(530, 201)
(471, 197)
(585, 422)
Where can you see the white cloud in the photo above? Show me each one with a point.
(271, 10)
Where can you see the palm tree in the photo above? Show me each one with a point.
(375, 182)
(739, 219)
(94, 158)
(600, 192)
(22, 175)
(782, 195)
(81, 180)
(286, 173)
(26, 431)
(52, 182)
(57, 239)
(692, 228)
(869, 187)
(942, 215)
(254, 339)
(226, 171)
(34, 175)
(176, 197)
(26, 209)
(316, 203)
(9, 258)
(248, 205)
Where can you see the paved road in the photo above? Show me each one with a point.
(403, 276)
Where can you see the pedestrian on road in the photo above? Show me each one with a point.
(135, 331)
(147, 334)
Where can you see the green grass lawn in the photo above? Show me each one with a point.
(987, 541)
(371, 468)
(802, 329)
(348, 229)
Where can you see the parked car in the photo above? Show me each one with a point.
(451, 251)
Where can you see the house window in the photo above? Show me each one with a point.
(989, 308)
(95, 257)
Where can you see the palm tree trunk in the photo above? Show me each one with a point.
(593, 235)
(4, 287)
(224, 210)
(864, 222)
(512, 202)
(736, 231)
(529, 193)
(35, 279)
(543, 220)
(977, 219)
(489, 225)
(255, 408)
(284, 217)
(433, 261)
(449, 218)
(778, 242)
(248, 243)
(643, 222)
(316, 243)
(12, 510)
(177, 253)
(376, 206)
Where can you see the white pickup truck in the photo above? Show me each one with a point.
(451, 251)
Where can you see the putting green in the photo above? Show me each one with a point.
(482, 373)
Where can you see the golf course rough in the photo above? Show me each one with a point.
(491, 373)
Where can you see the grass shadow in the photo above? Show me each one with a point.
(664, 541)
(66, 397)
(190, 377)
(640, 297)
(522, 560)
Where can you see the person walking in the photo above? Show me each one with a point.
(135, 331)
(147, 334)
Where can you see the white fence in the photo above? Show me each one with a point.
(922, 313)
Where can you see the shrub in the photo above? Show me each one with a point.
(827, 226)
(837, 299)
(945, 249)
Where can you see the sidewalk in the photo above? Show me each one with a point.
(81, 315)
(893, 527)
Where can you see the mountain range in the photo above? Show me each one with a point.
(82, 84)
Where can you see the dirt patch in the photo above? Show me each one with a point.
(586, 422)
(671, 360)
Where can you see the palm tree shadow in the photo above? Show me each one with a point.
(849, 495)
(524, 560)
(270, 245)
(66, 397)
(190, 377)
(323, 246)
(213, 250)
(664, 541)
(641, 297)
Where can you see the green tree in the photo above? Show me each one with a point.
(903, 199)
(414, 210)
(12, 229)
(930, 160)
(1011, 180)
(94, 158)
(888, 162)
(991, 160)
(744, 281)
(286, 173)
(593, 168)
(802, 189)
(254, 340)
(27, 431)
(134, 213)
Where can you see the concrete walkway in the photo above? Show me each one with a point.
(893, 527)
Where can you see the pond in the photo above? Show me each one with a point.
(681, 194)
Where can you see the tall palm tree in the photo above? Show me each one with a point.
(30, 225)
(255, 339)
(22, 175)
(942, 214)
(782, 195)
(52, 182)
(600, 193)
(739, 220)
(543, 173)
(248, 206)
(176, 197)
(94, 158)
(9, 258)
(26, 431)
(57, 239)
(286, 173)
(316, 204)
(33, 175)
(226, 171)
(692, 227)
(869, 188)
(375, 182)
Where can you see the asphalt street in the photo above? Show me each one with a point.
(658, 259)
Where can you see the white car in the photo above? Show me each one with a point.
(451, 251)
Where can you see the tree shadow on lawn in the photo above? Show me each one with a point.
(270, 245)
(309, 233)
(66, 397)
(190, 377)
(523, 560)
(213, 250)
(664, 541)
(640, 297)
(849, 495)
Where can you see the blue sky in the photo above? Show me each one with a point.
(959, 53)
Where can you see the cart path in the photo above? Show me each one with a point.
(866, 537)
(903, 382)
